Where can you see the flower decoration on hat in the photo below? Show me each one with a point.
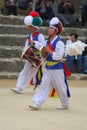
(33, 19)
(56, 23)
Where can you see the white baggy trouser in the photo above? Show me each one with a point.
(26, 75)
(51, 78)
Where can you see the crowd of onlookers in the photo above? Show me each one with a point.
(66, 12)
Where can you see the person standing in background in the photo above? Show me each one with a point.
(84, 13)
(11, 6)
(84, 54)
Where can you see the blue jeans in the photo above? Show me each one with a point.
(85, 63)
(70, 62)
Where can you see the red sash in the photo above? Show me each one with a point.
(67, 71)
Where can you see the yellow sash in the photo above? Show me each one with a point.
(52, 63)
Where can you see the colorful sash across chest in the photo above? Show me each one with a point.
(53, 64)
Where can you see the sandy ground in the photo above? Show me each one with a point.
(15, 114)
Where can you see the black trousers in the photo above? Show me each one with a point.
(12, 10)
(47, 15)
(83, 19)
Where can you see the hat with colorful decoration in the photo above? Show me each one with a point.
(56, 23)
(33, 19)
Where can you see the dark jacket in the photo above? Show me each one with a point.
(85, 51)
(84, 8)
(8, 3)
(61, 9)
(38, 7)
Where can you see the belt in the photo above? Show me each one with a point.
(52, 63)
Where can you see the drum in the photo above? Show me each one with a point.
(28, 54)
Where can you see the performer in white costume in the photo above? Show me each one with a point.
(54, 73)
(32, 21)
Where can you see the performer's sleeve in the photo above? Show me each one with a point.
(59, 51)
(26, 43)
(41, 42)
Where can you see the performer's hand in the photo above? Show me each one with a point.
(32, 41)
(47, 49)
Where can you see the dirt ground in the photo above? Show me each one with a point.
(16, 115)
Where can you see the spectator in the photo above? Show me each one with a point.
(71, 59)
(66, 13)
(84, 13)
(85, 59)
(11, 6)
(25, 4)
(45, 9)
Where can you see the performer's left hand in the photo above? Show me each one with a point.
(32, 41)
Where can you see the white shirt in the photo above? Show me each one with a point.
(38, 44)
(59, 50)
(68, 43)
